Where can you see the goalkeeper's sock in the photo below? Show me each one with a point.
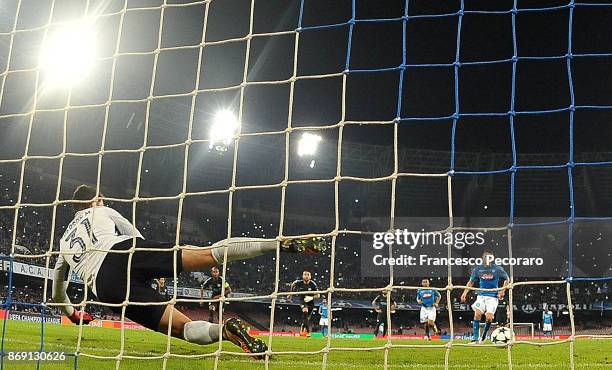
(486, 330)
(476, 328)
(201, 332)
(242, 248)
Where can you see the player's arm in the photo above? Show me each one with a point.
(375, 305)
(470, 284)
(418, 297)
(502, 292)
(205, 286)
(291, 289)
(124, 226)
(61, 274)
(438, 298)
(506, 278)
(314, 286)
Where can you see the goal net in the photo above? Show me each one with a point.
(209, 113)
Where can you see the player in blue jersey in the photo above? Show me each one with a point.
(547, 321)
(488, 275)
(324, 320)
(429, 300)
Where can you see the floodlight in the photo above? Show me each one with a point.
(308, 143)
(222, 131)
(68, 53)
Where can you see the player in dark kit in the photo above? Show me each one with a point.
(214, 284)
(94, 248)
(306, 300)
(380, 306)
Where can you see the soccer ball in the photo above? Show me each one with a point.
(501, 335)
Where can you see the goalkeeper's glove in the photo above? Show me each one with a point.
(76, 317)
(308, 298)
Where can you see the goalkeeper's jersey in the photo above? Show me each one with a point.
(87, 240)
(301, 286)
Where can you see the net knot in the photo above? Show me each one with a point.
(569, 55)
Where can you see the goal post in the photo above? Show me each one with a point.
(529, 326)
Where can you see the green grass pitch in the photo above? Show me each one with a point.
(19, 336)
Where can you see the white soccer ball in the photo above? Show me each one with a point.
(502, 335)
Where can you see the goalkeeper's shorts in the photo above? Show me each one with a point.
(308, 305)
(111, 281)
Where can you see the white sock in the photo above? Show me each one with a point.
(201, 332)
(242, 248)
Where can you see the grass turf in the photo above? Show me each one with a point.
(20, 336)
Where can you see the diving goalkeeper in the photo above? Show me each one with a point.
(97, 230)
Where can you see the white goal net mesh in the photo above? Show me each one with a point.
(116, 91)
